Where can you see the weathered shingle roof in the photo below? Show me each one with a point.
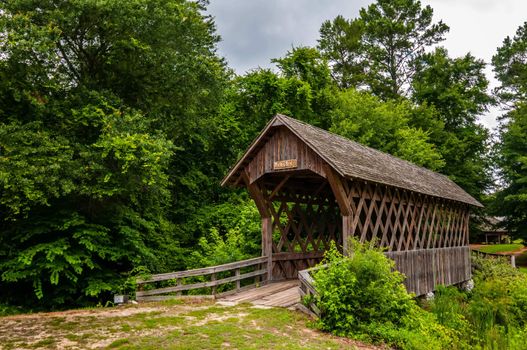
(353, 160)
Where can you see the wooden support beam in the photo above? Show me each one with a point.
(336, 183)
(256, 194)
(279, 186)
(267, 245)
(346, 234)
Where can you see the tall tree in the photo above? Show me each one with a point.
(105, 112)
(339, 42)
(393, 35)
(510, 66)
(457, 89)
(511, 199)
(301, 88)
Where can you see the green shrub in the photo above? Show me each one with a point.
(361, 296)
(485, 268)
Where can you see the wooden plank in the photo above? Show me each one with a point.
(200, 284)
(259, 293)
(203, 271)
(225, 295)
(426, 268)
(174, 297)
(297, 256)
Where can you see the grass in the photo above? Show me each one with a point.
(168, 326)
(500, 248)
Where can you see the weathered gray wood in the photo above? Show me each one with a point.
(203, 271)
(336, 183)
(346, 233)
(425, 269)
(242, 289)
(297, 256)
(175, 297)
(200, 284)
(237, 273)
(213, 279)
(267, 245)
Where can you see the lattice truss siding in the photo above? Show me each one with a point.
(304, 224)
(403, 220)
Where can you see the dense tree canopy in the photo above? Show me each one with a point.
(510, 65)
(101, 104)
(377, 50)
(118, 120)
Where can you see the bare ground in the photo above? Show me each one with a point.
(189, 325)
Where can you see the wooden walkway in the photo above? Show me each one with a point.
(278, 294)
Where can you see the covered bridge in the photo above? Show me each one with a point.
(312, 187)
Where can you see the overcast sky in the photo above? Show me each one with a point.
(255, 31)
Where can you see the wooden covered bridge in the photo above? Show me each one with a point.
(312, 187)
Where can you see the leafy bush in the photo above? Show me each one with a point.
(361, 296)
(228, 232)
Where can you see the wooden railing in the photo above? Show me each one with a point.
(307, 289)
(177, 285)
(510, 258)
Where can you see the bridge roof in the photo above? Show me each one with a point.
(353, 160)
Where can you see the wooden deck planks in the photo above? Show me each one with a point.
(277, 294)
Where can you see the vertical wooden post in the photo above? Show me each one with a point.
(267, 244)
(346, 234)
(237, 274)
(178, 283)
(213, 278)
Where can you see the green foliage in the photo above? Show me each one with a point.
(457, 89)
(510, 66)
(386, 126)
(102, 143)
(364, 298)
(381, 45)
(302, 88)
(340, 43)
(511, 201)
(231, 232)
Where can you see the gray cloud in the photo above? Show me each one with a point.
(255, 31)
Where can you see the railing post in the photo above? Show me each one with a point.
(237, 274)
(213, 278)
(257, 278)
(513, 260)
(178, 283)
